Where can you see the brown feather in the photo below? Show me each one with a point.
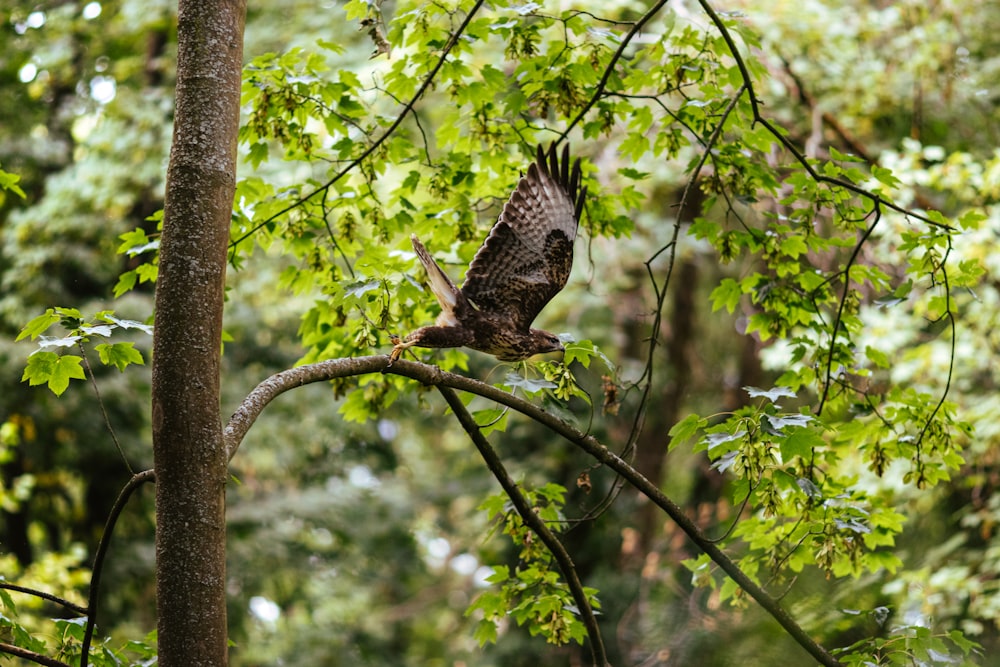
(524, 262)
(527, 257)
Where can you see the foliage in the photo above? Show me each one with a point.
(56, 370)
(531, 592)
(913, 643)
(66, 641)
(851, 240)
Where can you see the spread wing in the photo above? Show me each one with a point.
(528, 254)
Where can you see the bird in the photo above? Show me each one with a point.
(524, 262)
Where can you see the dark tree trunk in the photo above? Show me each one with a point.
(189, 455)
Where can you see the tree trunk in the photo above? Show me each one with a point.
(190, 459)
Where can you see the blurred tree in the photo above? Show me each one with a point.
(86, 109)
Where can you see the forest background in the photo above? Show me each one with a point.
(856, 479)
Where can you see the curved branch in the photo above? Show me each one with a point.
(839, 319)
(758, 117)
(137, 480)
(385, 135)
(31, 656)
(90, 611)
(277, 384)
(533, 521)
(950, 315)
(272, 387)
(72, 606)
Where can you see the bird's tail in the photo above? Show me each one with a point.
(441, 285)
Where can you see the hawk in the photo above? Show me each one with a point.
(524, 262)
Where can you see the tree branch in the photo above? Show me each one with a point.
(385, 135)
(279, 383)
(36, 658)
(599, 89)
(533, 521)
(758, 117)
(102, 551)
(839, 319)
(807, 99)
(72, 606)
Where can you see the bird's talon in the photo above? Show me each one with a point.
(398, 345)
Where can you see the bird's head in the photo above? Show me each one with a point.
(521, 346)
(543, 341)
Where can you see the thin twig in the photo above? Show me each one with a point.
(378, 142)
(951, 358)
(72, 606)
(660, 292)
(838, 320)
(100, 403)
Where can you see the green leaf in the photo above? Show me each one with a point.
(793, 246)
(357, 408)
(727, 295)
(842, 157)
(877, 357)
(8, 181)
(963, 644)
(634, 146)
(885, 176)
(485, 632)
(970, 271)
(800, 442)
(119, 355)
(131, 240)
(583, 351)
(126, 282)
(73, 627)
(578, 352)
(8, 603)
(356, 9)
(54, 370)
(38, 325)
(491, 420)
(633, 174)
(686, 429)
(971, 219)
(71, 318)
(39, 368)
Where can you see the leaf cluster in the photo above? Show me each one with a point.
(530, 592)
(56, 369)
(65, 644)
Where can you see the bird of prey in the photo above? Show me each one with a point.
(524, 262)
